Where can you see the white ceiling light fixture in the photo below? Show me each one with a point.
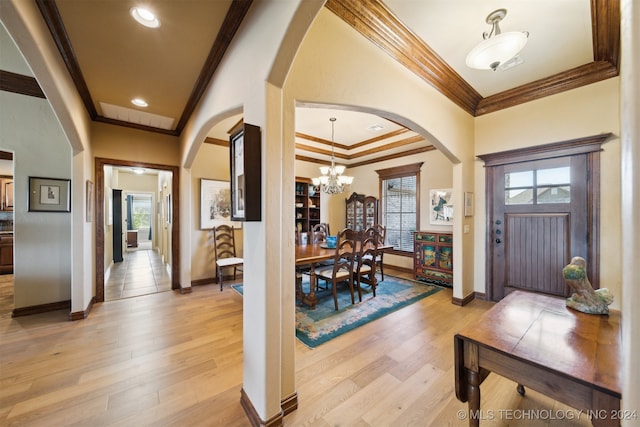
(497, 47)
(332, 180)
(139, 102)
(145, 17)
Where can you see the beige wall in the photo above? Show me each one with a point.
(211, 162)
(122, 143)
(589, 110)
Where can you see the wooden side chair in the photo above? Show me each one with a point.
(225, 251)
(319, 232)
(380, 233)
(342, 268)
(365, 264)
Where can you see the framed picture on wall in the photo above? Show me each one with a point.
(246, 169)
(441, 207)
(215, 204)
(468, 203)
(49, 194)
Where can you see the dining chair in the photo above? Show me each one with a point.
(342, 268)
(225, 251)
(380, 232)
(365, 261)
(319, 232)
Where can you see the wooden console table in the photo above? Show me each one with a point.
(536, 341)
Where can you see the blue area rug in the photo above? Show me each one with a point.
(315, 327)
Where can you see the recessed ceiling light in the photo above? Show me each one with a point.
(375, 128)
(145, 17)
(138, 102)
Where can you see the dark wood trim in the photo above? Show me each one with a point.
(254, 419)
(464, 301)
(400, 171)
(593, 215)
(375, 22)
(230, 25)
(99, 165)
(6, 155)
(390, 268)
(42, 308)
(216, 141)
(480, 296)
(605, 18)
(394, 156)
(321, 141)
(205, 281)
(52, 17)
(18, 83)
(186, 290)
(79, 315)
(289, 404)
(561, 82)
(569, 147)
(234, 17)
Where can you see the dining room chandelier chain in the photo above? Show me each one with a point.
(332, 180)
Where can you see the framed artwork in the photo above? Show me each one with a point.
(49, 195)
(246, 170)
(468, 203)
(215, 204)
(89, 200)
(441, 207)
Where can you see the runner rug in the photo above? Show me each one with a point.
(317, 326)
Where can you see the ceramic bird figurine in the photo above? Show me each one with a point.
(584, 298)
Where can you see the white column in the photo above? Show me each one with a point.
(630, 156)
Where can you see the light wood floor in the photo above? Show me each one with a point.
(171, 359)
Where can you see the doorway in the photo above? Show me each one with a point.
(542, 209)
(168, 235)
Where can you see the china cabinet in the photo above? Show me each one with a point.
(362, 212)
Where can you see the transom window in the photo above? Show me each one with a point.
(399, 202)
(538, 186)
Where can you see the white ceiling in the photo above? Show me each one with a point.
(559, 35)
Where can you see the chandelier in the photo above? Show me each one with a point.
(332, 180)
(497, 48)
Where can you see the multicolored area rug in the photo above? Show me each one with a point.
(315, 327)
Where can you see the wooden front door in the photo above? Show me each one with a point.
(541, 213)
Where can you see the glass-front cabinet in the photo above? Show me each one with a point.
(362, 211)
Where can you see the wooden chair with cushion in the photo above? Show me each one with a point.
(342, 268)
(380, 232)
(225, 251)
(365, 263)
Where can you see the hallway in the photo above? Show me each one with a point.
(142, 272)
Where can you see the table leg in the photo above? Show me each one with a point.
(310, 298)
(473, 393)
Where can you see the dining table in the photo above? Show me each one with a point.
(311, 254)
